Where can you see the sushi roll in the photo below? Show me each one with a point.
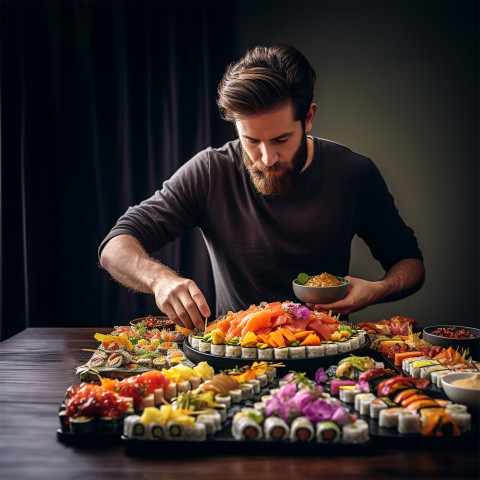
(134, 428)
(170, 391)
(218, 350)
(97, 362)
(356, 432)
(376, 406)
(388, 418)
(233, 351)
(342, 347)
(406, 362)
(331, 348)
(195, 433)
(263, 379)
(157, 431)
(183, 387)
(158, 396)
(247, 390)
(427, 371)
(280, 353)
(255, 384)
(222, 411)
(315, 350)
(271, 374)
(368, 397)
(460, 416)
(236, 395)
(205, 347)
(195, 382)
(416, 367)
(62, 416)
(275, 428)
(354, 342)
(174, 431)
(438, 375)
(145, 362)
(116, 360)
(301, 430)
(265, 353)
(244, 427)
(327, 432)
(195, 341)
(224, 400)
(408, 422)
(347, 393)
(249, 352)
(208, 421)
(297, 352)
(160, 363)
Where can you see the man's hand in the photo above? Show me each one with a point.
(403, 279)
(361, 293)
(179, 298)
(182, 300)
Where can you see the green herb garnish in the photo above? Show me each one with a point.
(302, 278)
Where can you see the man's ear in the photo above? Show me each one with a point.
(310, 116)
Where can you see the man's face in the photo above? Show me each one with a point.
(274, 148)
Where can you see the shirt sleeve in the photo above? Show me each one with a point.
(169, 212)
(381, 226)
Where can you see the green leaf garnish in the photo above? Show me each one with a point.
(302, 278)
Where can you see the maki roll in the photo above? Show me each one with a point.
(315, 350)
(388, 418)
(331, 348)
(247, 390)
(233, 351)
(347, 393)
(376, 406)
(255, 384)
(109, 425)
(209, 423)
(327, 432)
(249, 352)
(265, 353)
(301, 430)
(160, 363)
(245, 427)
(195, 341)
(236, 395)
(280, 353)
(297, 352)
(97, 362)
(174, 431)
(263, 379)
(369, 397)
(145, 362)
(196, 432)
(134, 428)
(218, 350)
(275, 428)
(428, 371)
(408, 422)
(460, 416)
(205, 347)
(116, 360)
(224, 400)
(157, 431)
(183, 387)
(356, 432)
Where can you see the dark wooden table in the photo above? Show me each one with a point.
(38, 365)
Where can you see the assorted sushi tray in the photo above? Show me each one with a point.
(273, 389)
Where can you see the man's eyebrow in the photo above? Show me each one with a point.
(283, 135)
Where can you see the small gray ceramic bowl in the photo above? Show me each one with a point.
(320, 294)
(463, 395)
(473, 344)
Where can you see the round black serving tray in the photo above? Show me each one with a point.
(309, 365)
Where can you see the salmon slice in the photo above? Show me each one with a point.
(320, 329)
(280, 320)
(257, 321)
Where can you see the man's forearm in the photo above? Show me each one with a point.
(128, 263)
(403, 279)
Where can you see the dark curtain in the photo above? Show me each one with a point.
(101, 102)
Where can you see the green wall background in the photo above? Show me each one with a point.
(398, 82)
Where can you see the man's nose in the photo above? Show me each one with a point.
(269, 155)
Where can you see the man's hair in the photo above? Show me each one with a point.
(267, 78)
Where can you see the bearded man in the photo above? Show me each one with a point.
(270, 204)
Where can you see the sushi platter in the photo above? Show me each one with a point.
(165, 391)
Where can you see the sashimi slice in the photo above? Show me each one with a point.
(300, 323)
(257, 321)
(280, 320)
(320, 329)
(276, 309)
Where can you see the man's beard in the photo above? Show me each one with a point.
(272, 185)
